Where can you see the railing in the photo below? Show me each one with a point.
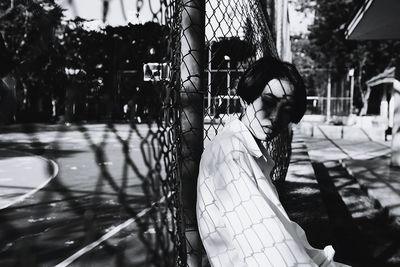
(339, 106)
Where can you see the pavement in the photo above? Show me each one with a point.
(366, 159)
(302, 199)
(82, 203)
(339, 188)
(379, 180)
(359, 191)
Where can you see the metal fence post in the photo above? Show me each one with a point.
(329, 98)
(192, 117)
(209, 75)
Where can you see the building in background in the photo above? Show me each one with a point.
(378, 99)
(379, 20)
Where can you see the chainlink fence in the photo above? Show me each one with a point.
(117, 199)
(237, 34)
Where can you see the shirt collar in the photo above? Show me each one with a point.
(242, 132)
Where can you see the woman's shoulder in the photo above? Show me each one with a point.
(224, 147)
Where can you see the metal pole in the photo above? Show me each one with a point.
(328, 99)
(351, 91)
(228, 85)
(209, 78)
(192, 118)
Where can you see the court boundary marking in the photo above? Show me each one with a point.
(109, 234)
(36, 189)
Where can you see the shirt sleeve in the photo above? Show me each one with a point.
(259, 232)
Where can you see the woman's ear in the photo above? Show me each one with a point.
(243, 106)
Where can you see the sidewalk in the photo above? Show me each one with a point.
(368, 162)
(360, 192)
(22, 174)
(311, 199)
(301, 197)
(379, 180)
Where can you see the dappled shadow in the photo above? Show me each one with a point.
(376, 173)
(361, 225)
(327, 203)
(70, 213)
(302, 202)
(350, 243)
(38, 148)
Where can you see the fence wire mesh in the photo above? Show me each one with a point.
(116, 198)
(237, 34)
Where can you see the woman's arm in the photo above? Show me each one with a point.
(256, 230)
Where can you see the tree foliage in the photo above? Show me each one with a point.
(236, 49)
(28, 27)
(307, 65)
(326, 45)
(330, 46)
(62, 61)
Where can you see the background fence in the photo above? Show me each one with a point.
(339, 106)
(334, 95)
(131, 195)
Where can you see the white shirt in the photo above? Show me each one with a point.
(241, 220)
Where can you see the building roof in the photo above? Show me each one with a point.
(375, 20)
(387, 76)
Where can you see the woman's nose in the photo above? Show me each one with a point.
(273, 113)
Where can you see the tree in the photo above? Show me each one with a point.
(28, 27)
(238, 51)
(56, 61)
(328, 47)
(307, 66)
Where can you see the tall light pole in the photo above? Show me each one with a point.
(351, 75)
(228, 81)
(329, 98)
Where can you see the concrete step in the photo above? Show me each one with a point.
(301, 197)
(342, 132)
(364, 233)
(379, 180)
(360, 206)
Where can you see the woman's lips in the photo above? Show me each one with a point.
(269, 127)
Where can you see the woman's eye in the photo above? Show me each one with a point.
(287, 108)
(269, 101)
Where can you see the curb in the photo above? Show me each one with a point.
(376, 201)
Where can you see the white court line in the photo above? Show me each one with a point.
(112, 232)
(30, 193)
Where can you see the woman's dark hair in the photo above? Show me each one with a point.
(256, 77)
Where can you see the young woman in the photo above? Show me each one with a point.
(241, 220)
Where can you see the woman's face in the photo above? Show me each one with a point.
(271, 112)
